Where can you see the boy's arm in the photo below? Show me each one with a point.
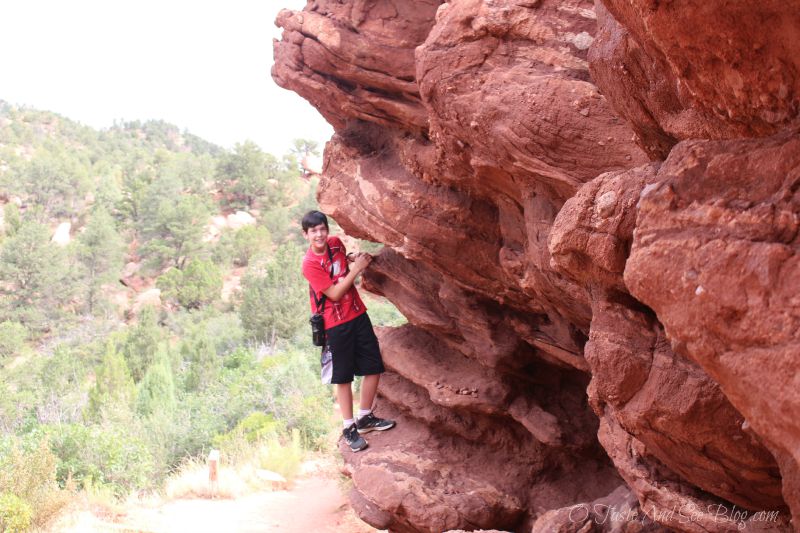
(337, 290)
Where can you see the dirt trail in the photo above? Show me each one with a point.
(315, 502)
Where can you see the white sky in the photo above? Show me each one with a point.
(202, 65)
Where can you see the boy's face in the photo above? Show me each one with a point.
(317, 237)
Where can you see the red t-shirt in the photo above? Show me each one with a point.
(317, 269)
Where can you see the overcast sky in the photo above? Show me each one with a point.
(202, 65)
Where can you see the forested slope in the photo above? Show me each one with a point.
(151, 307)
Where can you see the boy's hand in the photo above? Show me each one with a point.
(361, 261)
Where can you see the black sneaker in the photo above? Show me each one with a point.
(353, 439)
(371, 422)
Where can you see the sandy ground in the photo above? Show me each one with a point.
(315, 503)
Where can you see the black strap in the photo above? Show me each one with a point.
(321, 301)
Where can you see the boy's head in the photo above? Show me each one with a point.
(314, 218)
(315, 231)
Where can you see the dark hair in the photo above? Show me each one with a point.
(314, 218)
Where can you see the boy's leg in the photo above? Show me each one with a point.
(340, 342)
(369, 363)
(369, 387)
(344, 393)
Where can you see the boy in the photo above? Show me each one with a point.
(351, 346)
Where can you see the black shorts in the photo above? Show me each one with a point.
(354, 350)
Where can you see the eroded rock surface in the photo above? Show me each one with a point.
(699, 69)
(591, 223)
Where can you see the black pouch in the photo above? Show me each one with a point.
(317, 329)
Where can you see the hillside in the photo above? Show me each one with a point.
(151, 308)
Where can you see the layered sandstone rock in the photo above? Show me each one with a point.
(603, 320)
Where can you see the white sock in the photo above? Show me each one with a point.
(347, 423)
(363, 412)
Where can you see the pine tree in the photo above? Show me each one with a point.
(141, 344)
(55, 180)
(11, 219)
(113, 390)
(274, 305)
(157, 389)
(251, 176)
(204, 364)
(200, 283)
(99, 250)
(34, 272)
(173, 231)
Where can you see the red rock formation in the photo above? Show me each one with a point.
(587, 329)
(721, 230)
(699, 69)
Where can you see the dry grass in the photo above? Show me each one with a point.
(103, 502)
(252, 471)
(191, 481)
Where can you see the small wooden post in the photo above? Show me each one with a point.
(213, 471)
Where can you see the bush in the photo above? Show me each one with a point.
(35, 277)
(198, 284)
(12, 338)
(111, 456)
(15, 513)
(275, 302)
(260, 438)
(278, 221)
(284, 457)
(253, 428)
(11, 219)
(286, 386)
(204, 364)
(226, 332)
(240, 246)
(249, 241)
(113, 393)
(156, 391)
(241, 357)
(28, 483)
(140, 344)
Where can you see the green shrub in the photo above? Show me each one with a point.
(170, 283)
(113, 392)
(287, 386)
(275, 301)
(11, 219)
(278, 221)
(261, 438)
(226, 332)
(249, 241)
(198, 284)
(140, 344)
(29, 474)
(35, 277)
(283, 456)
(240, 358)
(15, 513)
(241, 245)
(156, 392)
(112, 456)
(12, 338)
(204, 364)
(254, 427)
